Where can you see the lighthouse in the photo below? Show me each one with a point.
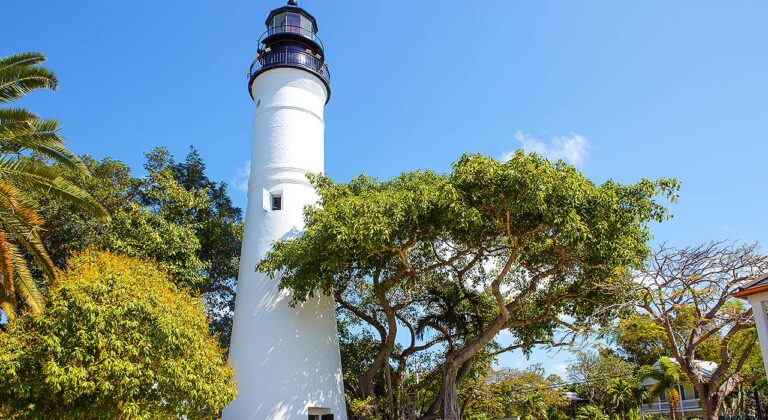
(286, 358)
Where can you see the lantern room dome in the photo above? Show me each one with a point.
(290, 41)
(292, 21)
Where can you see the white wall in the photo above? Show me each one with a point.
(287, 359)
(761, 322)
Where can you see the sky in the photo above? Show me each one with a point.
(623, 90)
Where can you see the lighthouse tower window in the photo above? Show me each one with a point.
(277, 202)
(272, 200)
(320, 413)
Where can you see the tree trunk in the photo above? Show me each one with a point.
(449, 390)
(673, 399)
(390, 391)
(410, 411)
(710, 408)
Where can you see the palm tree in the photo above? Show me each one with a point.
(27, 144)
(624, 396)
(668, 376)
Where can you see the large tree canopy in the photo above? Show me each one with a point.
(175, 216)
(117, 340)
(525, 245)
(685, 311)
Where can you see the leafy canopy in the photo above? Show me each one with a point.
(533, 240)
(175, 216)
(117, 340)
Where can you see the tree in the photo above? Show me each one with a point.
(117, 340)
(668, 376)
(175, 216)
(532, 406)
(623, 397)
(27, 144)
(590, 412)
(686, 294)
(593, 374)
(640, 339)
(506, 392)
(537, 240)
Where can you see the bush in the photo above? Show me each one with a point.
(117, 340)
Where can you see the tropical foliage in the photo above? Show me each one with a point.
(27, 144)
(593, 373)
(516, 246)
(503, 393)
(117, 340)
(175, 216)
(667, 376)
(623, 398)
(686, 312)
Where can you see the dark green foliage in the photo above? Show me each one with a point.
(531, 242)
(175, 216)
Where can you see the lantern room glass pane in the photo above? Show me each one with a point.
(293, 22)
(306, 27)
(278, 21)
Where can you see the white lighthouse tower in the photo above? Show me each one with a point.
(286, 359)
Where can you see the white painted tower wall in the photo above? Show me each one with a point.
(286, 359)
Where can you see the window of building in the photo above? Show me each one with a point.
(277, 202)
(271, 200)
(319, 413)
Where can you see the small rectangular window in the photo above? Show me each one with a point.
(277, 202)
(320, 413)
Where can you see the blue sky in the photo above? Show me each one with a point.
(624, 89)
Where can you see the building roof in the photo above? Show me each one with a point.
(758, 285)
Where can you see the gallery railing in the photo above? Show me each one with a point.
(285, 57)
(291, 29)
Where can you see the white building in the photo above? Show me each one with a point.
(756, 293)
(286, 359)
(690, 404)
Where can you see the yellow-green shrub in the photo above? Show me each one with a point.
(117, 340)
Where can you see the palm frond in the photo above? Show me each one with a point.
(25, 284)
(28, 237)
(21, 130)
(32, 176)
(21, 59)
(8, 305)
(19, 75)
(6, 265)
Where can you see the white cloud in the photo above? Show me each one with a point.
(571, 148)
(240, 181)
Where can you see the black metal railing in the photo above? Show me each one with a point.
(285, 57)
(291, 29)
